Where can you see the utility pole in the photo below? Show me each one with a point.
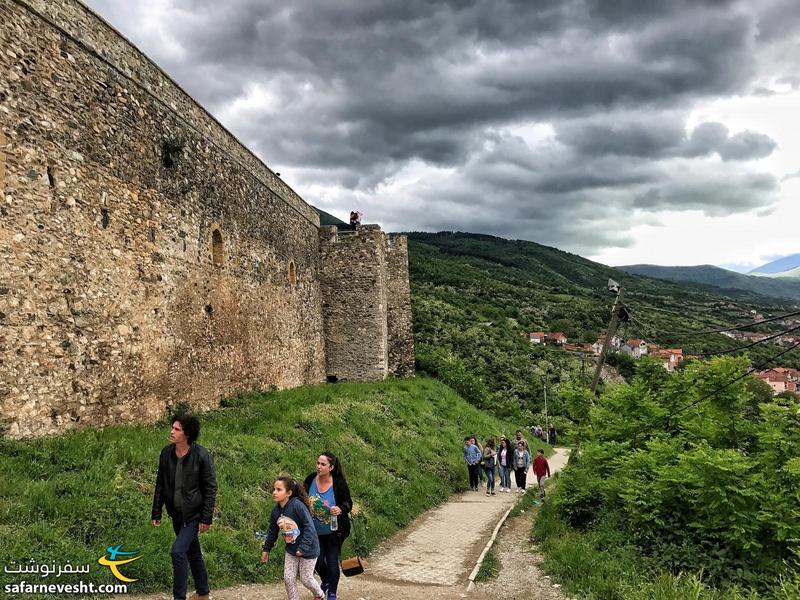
(612, 329)
(546, 422)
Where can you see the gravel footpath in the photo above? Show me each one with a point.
(520, 577)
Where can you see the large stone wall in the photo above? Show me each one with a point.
(149, 258)
(115, 302)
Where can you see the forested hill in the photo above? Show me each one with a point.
(788, 288)
(474, 296)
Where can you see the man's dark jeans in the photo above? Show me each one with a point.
(186, 555)
(474, 471)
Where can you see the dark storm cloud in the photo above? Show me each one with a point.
(581, 202)
(346, 95)
(660, 136)
(747, 145)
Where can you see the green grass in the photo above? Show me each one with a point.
(67, 498)
(490, 568)
(530, 500)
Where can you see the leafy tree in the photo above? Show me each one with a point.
(624, 363)
(759, 390)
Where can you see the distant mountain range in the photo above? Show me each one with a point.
(764, 283)
(788, 266)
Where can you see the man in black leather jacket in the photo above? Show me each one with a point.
(187, 485)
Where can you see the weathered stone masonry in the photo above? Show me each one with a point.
(366, 304)
(127, 285)
(398, 316)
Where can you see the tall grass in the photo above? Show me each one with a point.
(67, 498)
(600, 564)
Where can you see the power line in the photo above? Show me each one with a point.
(710, 331)
(732, 381)
(719, 389)
(761, 341)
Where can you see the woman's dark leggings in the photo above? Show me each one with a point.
(328, 562)
(520, 474)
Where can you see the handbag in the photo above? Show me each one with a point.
(353, 566)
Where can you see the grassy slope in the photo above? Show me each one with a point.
(68, 498)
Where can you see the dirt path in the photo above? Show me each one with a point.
(433, 557)
(520, 577)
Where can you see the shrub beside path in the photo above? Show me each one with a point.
(433, 557)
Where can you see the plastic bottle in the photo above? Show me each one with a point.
(334, 522)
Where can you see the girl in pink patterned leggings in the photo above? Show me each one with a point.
(292, 518)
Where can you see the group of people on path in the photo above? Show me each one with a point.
(313, 516)
(503, 457)
(549, 436)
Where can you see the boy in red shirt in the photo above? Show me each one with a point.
(541, 468)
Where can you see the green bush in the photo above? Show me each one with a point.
(694, 479)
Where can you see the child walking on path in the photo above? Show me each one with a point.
(541, 468)
(292, 517)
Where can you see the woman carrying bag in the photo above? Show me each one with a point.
(331, 504)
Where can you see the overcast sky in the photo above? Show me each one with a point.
(627, 131)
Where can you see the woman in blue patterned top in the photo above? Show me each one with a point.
(331, 504)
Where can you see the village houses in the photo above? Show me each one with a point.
(536, 337)
(636, 348)
(540, 337)
(616, 343)
(780, 379)
(670, 357)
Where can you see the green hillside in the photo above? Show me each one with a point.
(68, 498)
(475, 296)
(774, 285)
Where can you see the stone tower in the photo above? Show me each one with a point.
(366, 304)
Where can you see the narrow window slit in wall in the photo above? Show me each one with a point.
(217, 249)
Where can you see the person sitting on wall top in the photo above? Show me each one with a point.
(355, 218)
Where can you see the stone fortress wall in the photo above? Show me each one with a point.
(130, 283)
